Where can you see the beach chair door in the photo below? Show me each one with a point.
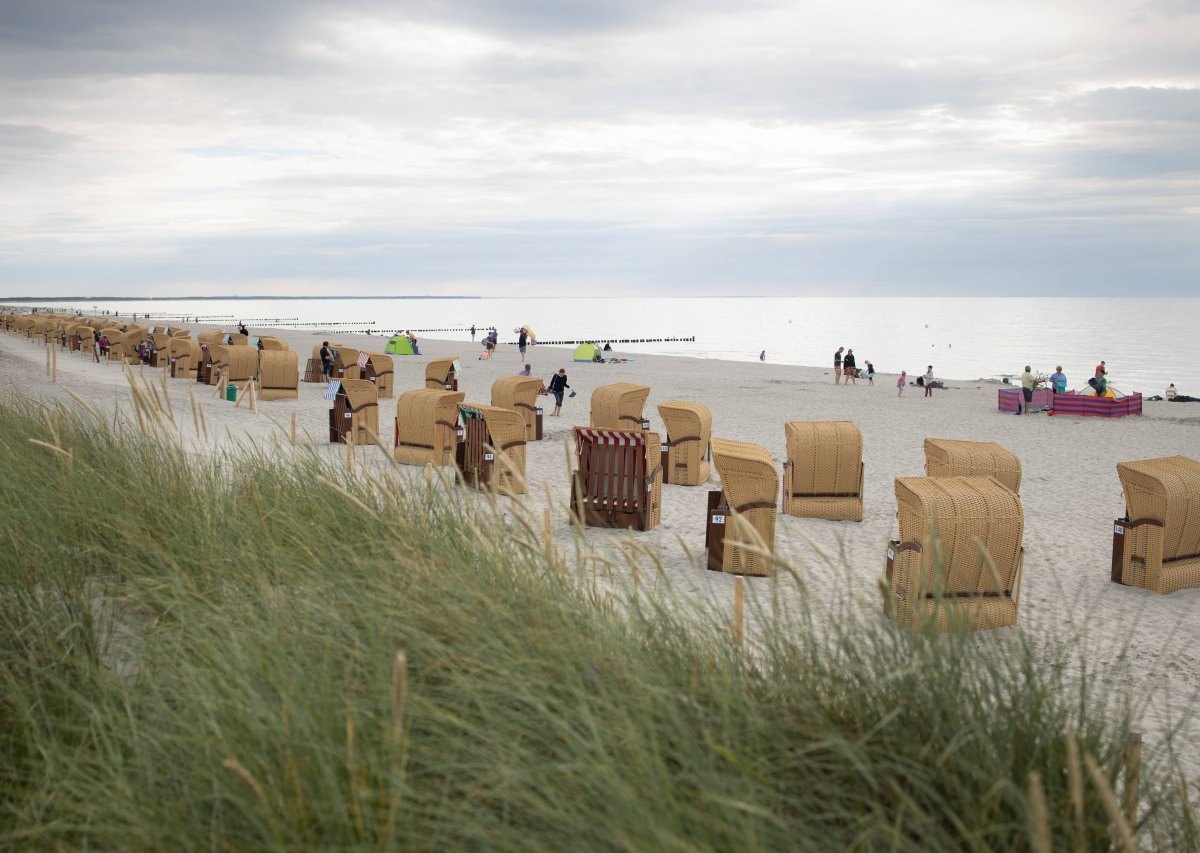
(341, 418)
(478, 455)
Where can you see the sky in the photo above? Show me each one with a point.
(560, 147)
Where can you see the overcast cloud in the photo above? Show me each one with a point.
(548, 146)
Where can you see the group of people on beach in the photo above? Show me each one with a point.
(846, 366)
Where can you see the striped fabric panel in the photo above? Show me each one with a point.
(1087, 405)
(363, 358)
(331, 392)
(621, 438)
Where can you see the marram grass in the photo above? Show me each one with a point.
(251, 652)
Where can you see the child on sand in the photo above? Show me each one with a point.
(900, 383)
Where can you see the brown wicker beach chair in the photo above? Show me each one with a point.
(211, 336)
(442, 374)
(380, 370)
(345, 363)
(185, 357)
(236, 339)
(355, 413)
(279, 375)
(957, 564)
(947, 457)
(1157, 544)
(237, 364)
(520, 394)
(741, 514)
(618, 478)
(427, 426)
(823, 475)
(686, 452)
(492, 452)
(619, 406)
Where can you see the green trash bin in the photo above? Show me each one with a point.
(231, 392)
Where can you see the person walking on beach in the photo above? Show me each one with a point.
(870, 373)
(837, 366)
(900, 383)
(558, 384)
(326, 359)
(850, 367)
(762, 356)
(1027, 383)
(472, 333)
(522, 340)
(928, 380)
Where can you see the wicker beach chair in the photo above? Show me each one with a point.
(618, 479)
(686, 454)
(355, 413)
(211, 336)
(823, 475)
(1156, 545)
(741, 514)
(947, 457)
(619, 406)
(957, 563)
(519, 394)
(278, 375)
(345, 363)
(270, 343)
(235, 363)
(442, 374)
(427, 426)
(185, 357)
(380, 370)
(492, 452)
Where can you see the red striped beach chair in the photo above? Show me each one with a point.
(618, 481)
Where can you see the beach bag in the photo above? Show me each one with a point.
(572, 394)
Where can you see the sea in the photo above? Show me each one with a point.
(1145, 342)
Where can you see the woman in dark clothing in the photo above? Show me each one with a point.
(558, 384)
(849, 368)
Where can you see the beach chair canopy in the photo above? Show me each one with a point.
(278, 374)
(1160, 542)
(440, 372)
(823, 475)
(750, 484)
(239, 362)
(946, 457)
(586, 352)
(426, 425)
(956, 565)
(398, 345)
(519, 394)
(689, 434)
(619, 405)
(270, 343)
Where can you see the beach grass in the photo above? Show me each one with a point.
(262, 650)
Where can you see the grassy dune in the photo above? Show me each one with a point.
(257, 653)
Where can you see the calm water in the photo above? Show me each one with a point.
(1146, 342)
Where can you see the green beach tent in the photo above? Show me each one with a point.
(586, 352)
(399, 345)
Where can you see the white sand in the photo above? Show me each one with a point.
(1070, 490)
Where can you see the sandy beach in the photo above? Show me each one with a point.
(1070, 491)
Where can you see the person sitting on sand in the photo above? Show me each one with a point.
(528, 371)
